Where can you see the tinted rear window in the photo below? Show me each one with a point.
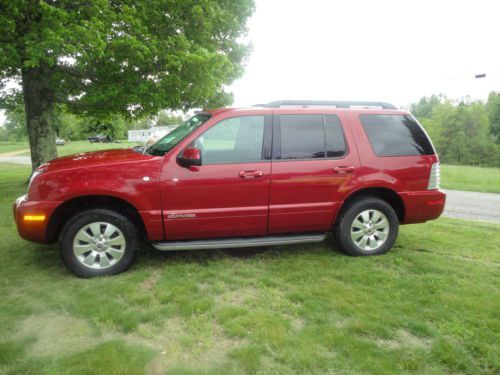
(396, 135)
(335, 143)
(311, 137)
(302, 137)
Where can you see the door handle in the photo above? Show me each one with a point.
(247, 174)
(343, 169)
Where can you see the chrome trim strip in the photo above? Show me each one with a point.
(225, 243)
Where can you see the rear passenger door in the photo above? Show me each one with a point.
(314, 164)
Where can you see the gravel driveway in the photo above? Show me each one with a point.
(472, 205)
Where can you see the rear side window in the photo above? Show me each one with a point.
(335, 143)
(396, 135)
(311, 137)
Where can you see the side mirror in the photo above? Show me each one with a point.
(191, 156)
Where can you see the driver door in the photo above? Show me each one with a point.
(228, 194)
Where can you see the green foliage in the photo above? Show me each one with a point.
(462, 133)
(424, 107)
(14, 127)
(165, 118)
(74, 127)
(493, 106)
(102, 58)
(129, 57)
(113, 127)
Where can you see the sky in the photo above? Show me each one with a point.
(385, 50)
(395, 51)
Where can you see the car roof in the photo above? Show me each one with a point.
(372, 109)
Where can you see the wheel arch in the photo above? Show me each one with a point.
(85, 202)
(386, 194)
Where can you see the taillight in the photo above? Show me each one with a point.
(435, 177)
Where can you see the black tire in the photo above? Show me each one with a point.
(83, 219)
(342, 229)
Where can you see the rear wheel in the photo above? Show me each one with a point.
(367, 226)
(98, 242)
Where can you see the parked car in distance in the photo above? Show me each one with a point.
(285, 172)
(99, 138)
(60, 142)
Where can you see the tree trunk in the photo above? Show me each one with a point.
(40, 119)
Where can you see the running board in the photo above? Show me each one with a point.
(225, 243)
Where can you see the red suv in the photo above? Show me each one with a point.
(280, 173)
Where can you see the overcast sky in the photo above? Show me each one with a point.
(387, 50)
(394, 51)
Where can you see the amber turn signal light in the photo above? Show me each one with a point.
(34, 217)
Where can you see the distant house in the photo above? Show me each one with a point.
(152, 134)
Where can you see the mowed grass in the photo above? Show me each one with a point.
(76, 147)
(462, 177)
(430, 306)
(13, 146)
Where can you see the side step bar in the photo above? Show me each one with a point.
(225, 243)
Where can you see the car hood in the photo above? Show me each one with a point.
(89, 159)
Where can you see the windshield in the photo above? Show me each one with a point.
(178, 134)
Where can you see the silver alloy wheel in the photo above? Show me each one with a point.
(99, 245)
(370, 230)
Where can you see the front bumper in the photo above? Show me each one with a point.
(28, 217)
(421, 206)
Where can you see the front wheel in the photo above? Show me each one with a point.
(368, 226)
(98, 242)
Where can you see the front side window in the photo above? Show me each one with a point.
(233, 140)
(178, 134)
(311, 137)
(396, 135)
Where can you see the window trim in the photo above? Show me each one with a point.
(266, 140)
(276, 152)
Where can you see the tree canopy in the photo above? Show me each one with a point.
(99, 58)
(493, 106)
(461, 132)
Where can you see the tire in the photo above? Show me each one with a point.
(360, 229)
(98, 242)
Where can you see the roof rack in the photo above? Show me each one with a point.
(326, 103)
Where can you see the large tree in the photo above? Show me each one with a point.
(493, 107)
(103, 57)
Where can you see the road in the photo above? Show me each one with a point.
(460, 204)
(15, 159)
(472, 205)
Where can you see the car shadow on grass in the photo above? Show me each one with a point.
(48, 259)
(148, 253)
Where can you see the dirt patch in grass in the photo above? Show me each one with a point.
(178, 348)
(175, 344)
(297, 323)
(237, 297)
(56, 334)
(151, 281)
(404, 339)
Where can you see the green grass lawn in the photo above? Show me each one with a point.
(460, 177)
(12, 146)
(430, 306)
